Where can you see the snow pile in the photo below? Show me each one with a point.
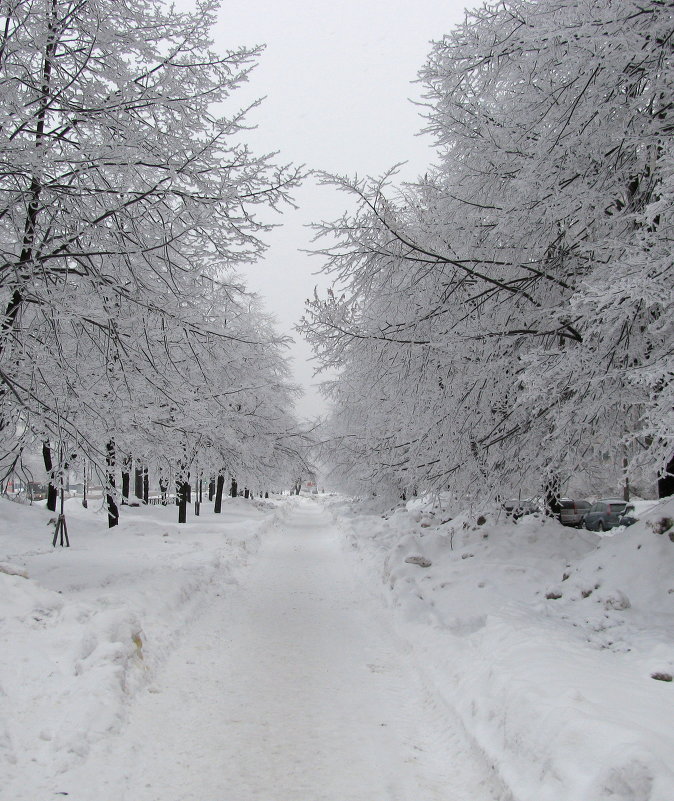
(84, 627)
(554, 644)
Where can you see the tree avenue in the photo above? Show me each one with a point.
(126, 205)
(507, 320)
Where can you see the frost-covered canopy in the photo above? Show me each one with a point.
(509, 318)
(128, 196)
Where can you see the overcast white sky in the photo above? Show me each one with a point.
(338, 79)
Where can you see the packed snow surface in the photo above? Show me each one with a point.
(300, 649)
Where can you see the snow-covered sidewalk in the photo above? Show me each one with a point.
(290, 686)
(302, 650)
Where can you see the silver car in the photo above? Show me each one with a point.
(607, 513)
(572, 511)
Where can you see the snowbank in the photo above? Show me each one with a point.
(554, 644)
(84, 627)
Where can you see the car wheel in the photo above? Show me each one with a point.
(600, 526)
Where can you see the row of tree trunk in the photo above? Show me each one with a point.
(216, 486)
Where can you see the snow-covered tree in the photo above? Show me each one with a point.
(514, 307)
(126, 202)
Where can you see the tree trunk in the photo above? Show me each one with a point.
(85, 486)
(113, 511)
(199, 496)
(211, 489)
(163, 490)
(626, 480)
(16, 301)
(146, 485)
(234, 489)
(126, 479)
(666, 480)
(219, 487)
(49, 467)
(182, 493)
(552, 506)
(138, 481)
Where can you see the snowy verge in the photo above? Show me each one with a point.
(555, 645)
(84, 627)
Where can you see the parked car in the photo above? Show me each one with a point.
(516, 507)
(628, 517)
(37, 491)
(608, 513)
(572, 511)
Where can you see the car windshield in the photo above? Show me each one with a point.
(598, 507)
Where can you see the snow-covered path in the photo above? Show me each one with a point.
(290, 688)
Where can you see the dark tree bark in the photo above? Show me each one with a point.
(163, 490)
(113, 511)
(220, 485)
(146, 485)
(49, 467)
(138, 482)
(27, 251)
(234, 489)
(211, 489)
(552, 506)
(666, 481)
(85, 486)
(182, 500)
(199, 495)
(126, 479)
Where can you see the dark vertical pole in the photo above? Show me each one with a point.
(146, 485)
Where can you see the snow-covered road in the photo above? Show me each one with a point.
(292, 687)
